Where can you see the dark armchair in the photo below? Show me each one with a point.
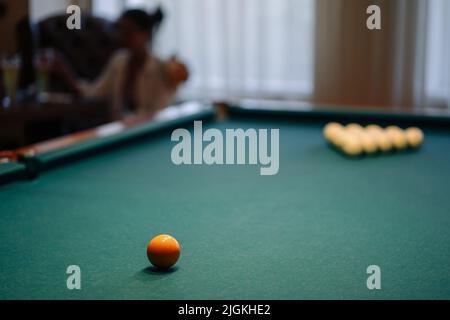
(87, 50)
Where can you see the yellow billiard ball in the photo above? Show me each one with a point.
(397, 137)
(414, 136)
(351, 144)
(369, 142)
(354, 127)
(382, 140)
(338, 138)
(331, 132)
(163, 251)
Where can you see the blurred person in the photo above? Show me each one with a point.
(135, 82)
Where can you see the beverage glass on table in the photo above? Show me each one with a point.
(42, 63)
(10, 71)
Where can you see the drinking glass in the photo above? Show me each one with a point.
(42, 63)
(10, 69)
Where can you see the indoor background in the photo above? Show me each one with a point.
(293, 49)
(316, 52)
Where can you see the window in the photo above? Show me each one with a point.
(438, 52)
(234, 48)
(41, 9)
(264, 48)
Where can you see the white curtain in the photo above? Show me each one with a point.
(235, 48)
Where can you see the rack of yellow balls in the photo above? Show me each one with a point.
(354, 139)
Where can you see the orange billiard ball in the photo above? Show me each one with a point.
(163, 251)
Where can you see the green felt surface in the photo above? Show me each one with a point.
(308, 232)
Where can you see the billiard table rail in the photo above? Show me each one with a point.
(307, 112)
(38, 158)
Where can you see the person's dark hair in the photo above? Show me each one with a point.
(143, 20)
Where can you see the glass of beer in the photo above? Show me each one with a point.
(10, 69)
(42, 63)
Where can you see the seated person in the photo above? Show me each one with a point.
(134, 80)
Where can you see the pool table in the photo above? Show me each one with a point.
(308, 232)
